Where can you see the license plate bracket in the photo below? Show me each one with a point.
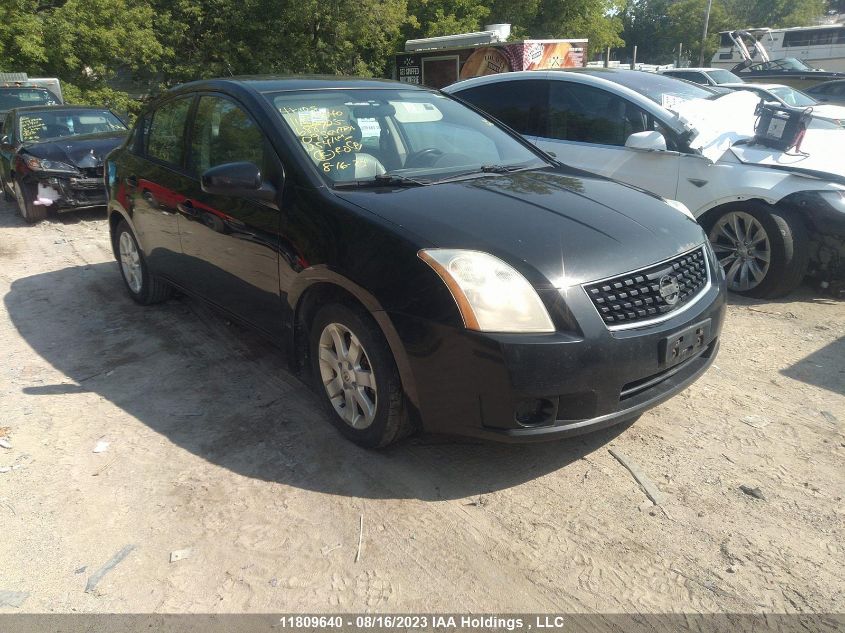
(685, 344)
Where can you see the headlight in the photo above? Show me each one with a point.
(836, 199)
(41, 164)
(680, 206)
(492, 296)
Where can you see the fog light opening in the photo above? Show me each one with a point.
(534, 412)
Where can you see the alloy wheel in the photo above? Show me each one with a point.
(743, 249)
(347, 376)
(130, 262)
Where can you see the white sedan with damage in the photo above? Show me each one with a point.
(772, 215)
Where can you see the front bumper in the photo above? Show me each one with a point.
(69, 193)
(533, 387)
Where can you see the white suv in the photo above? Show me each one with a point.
(769, 214)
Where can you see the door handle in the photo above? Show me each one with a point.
(187, 208)
(131, 181)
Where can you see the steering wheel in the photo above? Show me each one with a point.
(423, 158)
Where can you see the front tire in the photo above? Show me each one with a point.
(25, 197)
(764, 250)
(356, 377)
(144, 287)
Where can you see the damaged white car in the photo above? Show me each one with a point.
(768, 188)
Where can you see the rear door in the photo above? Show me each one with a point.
(155, 179)
(231, 244)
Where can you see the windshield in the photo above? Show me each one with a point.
(793, 97)
(788, 63)
(20, 97)
(723, 76)
(359, 135)
(46, 124)
(662, 89)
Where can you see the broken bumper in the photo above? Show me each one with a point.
(67, 193)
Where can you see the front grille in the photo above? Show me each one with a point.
(93, 172)
(650, 293)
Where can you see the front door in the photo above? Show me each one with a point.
(231, 245)
(587, 128)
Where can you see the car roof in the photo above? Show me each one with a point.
(278, 83)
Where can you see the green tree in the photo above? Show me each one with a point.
(598, 20)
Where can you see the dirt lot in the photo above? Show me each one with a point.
(213, 447)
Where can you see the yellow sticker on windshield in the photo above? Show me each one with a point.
(327, 134)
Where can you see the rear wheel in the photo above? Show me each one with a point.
(357, 376)
(25, 197)
(144, 287)
(764, 250)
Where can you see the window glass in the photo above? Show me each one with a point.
(815, 37)
(520, 104)
(20, 97)
(721, 76)
(166, 135)
(359, 134)
(55, 123)
(689, 76)
(589, 115)
(224, 133)
(8, 127)
(662, 89)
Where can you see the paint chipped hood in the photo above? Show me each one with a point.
(727, 124)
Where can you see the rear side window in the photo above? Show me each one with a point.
(166, 134)
(519, 104)
(224, 133)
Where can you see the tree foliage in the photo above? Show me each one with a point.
(104, 50)
(656, 27)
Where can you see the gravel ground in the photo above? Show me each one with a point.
(210, 446)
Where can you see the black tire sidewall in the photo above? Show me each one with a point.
(28, 212)
(382, 363)
(787, 251)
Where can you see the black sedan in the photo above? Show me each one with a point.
(425, 267)
(51, 158)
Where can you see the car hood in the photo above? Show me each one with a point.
(559, 228)
(829, 111)
(727, 124)
(83, 151)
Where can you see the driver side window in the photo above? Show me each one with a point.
(585, 114)
(224, 133)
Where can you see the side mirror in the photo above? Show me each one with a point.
(647, 141)
(4, 140)
(240, 180)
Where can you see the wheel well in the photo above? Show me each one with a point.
(314, 298)
(114, 220)
(709, 216)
